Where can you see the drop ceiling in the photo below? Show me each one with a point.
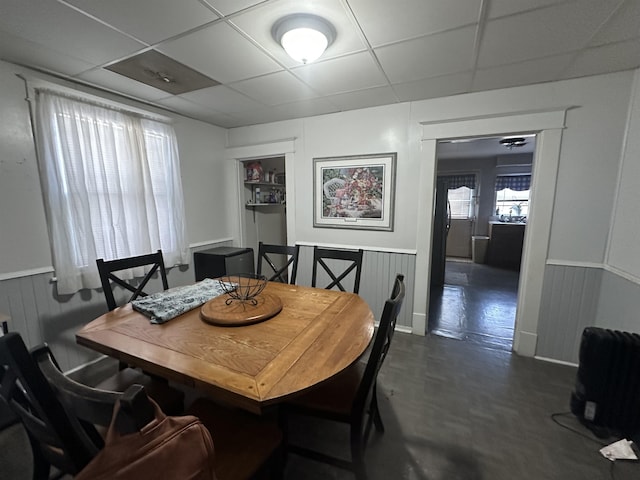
(385, 52)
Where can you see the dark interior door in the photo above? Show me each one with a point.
(440, 230)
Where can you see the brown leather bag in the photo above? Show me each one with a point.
(168, 447)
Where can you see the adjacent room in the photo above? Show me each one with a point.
(352, 238)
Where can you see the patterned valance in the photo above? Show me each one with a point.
(514, 182)
(457, 181)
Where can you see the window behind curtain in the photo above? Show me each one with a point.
(461, 194)
(462, 203)
(112, 187)
(512, 195)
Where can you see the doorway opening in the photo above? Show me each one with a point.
(481, 210)
(263, 196)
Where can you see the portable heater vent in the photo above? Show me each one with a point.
(607, 390)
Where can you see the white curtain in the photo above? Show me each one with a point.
(112, 188)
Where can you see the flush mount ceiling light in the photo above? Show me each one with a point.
(511, 142)
(303, 36)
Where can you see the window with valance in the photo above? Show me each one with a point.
(512, 195)
(513, 182)
(457, 181)
(461, 194)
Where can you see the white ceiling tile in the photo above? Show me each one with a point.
(52, 23)
(371, 97)
(119, 83)
(25, 52)
(435, 55)
(195, 110)
(274, 89)
(541, 33)
(263, 115)
(608, 58)
(385, 21)
(221, 53)
(434, 87)
(149, 20)
(344, 74)
(258, 23)
(500, 8)
(530, 71)
(185, 105)
(306, 108)
(624, 25)
(223, 99)
(523, 42)
(227, 7)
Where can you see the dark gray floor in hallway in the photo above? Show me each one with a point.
(457, 410)
(477, 304)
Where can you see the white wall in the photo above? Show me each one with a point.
(624, 243)
(584, 201)
(590, 154)
(588, 162)
(208, 179)
(24, 243)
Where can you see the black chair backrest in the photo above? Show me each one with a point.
(290, 253)
(380, 348)
(351, 260)
(106, 269)
(41, 396)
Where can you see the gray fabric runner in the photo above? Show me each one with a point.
(163, 306)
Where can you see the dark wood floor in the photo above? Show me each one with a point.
(477, 304)
(458, 410)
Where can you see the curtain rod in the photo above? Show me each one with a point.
(69, 92)
(98, 103)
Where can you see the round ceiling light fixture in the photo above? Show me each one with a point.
(303, 36)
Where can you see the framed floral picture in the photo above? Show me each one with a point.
(354, 192)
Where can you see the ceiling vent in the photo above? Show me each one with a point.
(162, 72)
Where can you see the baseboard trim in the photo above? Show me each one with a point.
(553, 360)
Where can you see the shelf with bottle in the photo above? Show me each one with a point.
(272, 196)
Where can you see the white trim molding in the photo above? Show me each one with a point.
(621, 273)
(210, 242)
(571, 263)
(261, 150)
(363, 247)
(26, 273)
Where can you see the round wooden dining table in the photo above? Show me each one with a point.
(317, 334)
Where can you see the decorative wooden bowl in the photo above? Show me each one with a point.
(218, 312)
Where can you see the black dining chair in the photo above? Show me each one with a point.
(279, 258)
(337, 264)
(106, 269)
(108, 277)
(351, 396)
(61, 417)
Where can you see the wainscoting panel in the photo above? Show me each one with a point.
(618, 304)
(379, 270)
(40, 315)
(569, 302)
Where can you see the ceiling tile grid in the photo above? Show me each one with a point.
(384, 52)
(149, 20)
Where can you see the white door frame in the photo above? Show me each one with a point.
(284, 148)
(548, 126)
